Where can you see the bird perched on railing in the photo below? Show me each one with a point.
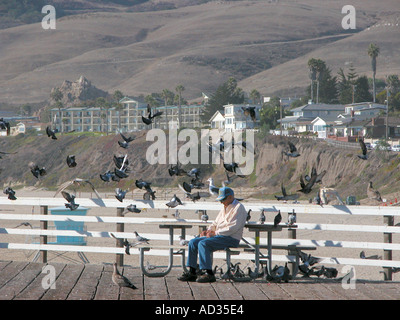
(10, 192)
(248, 216)
(121, 280)
(291, 218)
(277, 219)
(262, 217)
(139, 239)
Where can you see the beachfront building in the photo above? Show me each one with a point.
(235, 118)
(126, 118)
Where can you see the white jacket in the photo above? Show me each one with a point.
(230, 221)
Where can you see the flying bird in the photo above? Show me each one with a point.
(36, 171)
(121, 280)
(150, 116)
(10, 192)
(372, 193)
(109, 176)
(292, 150)
(133, 208)
(125, 243)
(176, 171)
(174, 202)
(120, 194)
(285, 196)
(250, 111)
(363, 256)
(306, 188)
(277, 219)
(71, 161)
(51, 133)
(125, 142)
(25, 224)
(364, 155)
(77, 182)
(71, 200)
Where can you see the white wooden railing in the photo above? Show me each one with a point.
(386, 228)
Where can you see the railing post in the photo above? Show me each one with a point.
(120, 228)
(292, 234)
(43, 238)
(387, 254)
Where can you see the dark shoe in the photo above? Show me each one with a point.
(206, 278)
(187, 276)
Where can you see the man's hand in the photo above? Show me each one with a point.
(207, 233)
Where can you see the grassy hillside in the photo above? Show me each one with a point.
(264, 44)
(94, 155)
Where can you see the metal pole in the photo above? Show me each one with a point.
(43, 238)
(119, 259)
(387, 254)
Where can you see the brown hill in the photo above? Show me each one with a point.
(198, 46)
(94, 155)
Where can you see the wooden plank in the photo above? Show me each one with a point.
(65, 281)
(136, 277)
(85, 288)
(106, 289)
(21, 280)
(373, 292)
(297, 291)
(319, 291)
(249, 291)
(391, 289)
(11, 270)
(347, 294)
(178, 290)
(226, 290)
(274, 291)
(155, 288)
(35, 290)
(203, 291)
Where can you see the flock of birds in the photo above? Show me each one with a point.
(194, 190)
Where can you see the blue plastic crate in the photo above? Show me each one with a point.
(70, 225)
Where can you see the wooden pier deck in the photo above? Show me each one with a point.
(25, 281)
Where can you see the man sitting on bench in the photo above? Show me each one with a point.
(225, 232)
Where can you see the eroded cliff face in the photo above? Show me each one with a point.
(345, 172)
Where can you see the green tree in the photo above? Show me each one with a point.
(117, 96)
(322, 82)
(168, 97)
(179, 89)
(228, 92)
(373, 52)
(255, 96)
(270, 113)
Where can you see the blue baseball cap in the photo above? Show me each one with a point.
(224, 192)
